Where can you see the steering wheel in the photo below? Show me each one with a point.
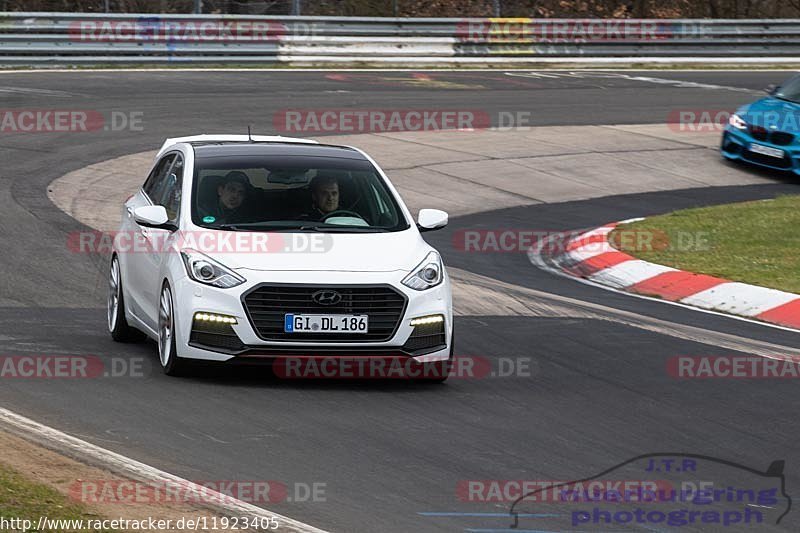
(341, 212)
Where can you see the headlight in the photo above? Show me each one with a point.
(737, 122)
(203, 269)
(427, 274)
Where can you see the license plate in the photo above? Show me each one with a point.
(325, 323)
(766, 150)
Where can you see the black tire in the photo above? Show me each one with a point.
(171, 363)
(118, 325)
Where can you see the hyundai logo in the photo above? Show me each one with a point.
(326, 297)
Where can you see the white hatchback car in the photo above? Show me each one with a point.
(267, 248)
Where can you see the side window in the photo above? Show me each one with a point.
(156, 177)
(168, 193)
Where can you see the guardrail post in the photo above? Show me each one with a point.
(496, 7)
(198, 7)
(297, 7)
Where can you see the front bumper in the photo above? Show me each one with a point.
(736, 143)
(192, 297)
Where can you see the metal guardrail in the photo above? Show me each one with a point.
(88, 39)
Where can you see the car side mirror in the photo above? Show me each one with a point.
(153, 216)
(431, 219)
(771, 88)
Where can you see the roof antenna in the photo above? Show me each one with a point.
(249, 137)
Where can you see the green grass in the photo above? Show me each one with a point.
(21, 498)
(752, 242)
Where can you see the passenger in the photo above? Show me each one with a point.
(231, 195)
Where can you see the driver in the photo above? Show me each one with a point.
(324, 196)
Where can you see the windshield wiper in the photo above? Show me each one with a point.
(346, 229)
(266, 226)
(785, 99)
(263, 226)
(322, 228)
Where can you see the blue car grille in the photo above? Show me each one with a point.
(781, 138)
(759, 133)
(784, 163)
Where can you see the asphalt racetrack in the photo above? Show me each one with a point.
(391, 456)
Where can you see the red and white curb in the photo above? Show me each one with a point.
(591, 257)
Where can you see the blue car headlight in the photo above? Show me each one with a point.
(737, 122)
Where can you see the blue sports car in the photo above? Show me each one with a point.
(767, 132)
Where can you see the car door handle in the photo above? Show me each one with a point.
(130, 211)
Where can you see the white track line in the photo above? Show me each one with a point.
(119, 464)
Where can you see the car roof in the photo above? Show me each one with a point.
(223, 137)
(204, 149)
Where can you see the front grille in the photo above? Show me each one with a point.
(784, 163)
(425, 337)
(215, 336)
(759, 133)
(266, 306)
(781, 138)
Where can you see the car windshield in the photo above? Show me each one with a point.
(292, 193)
(790, 90)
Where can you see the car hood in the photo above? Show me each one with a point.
(313, 251)
(772, 113)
